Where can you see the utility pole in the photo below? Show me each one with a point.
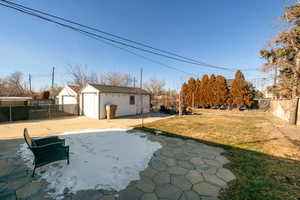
(275, 76)
(52, 84)
(180, 107)
(141, 98)
(134, 82)
(29, 79)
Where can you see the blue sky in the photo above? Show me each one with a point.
(226, 33)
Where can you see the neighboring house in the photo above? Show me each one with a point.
(15, 101)
(129, 100)
(68, 97)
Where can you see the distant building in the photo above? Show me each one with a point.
(68, 95)
(15, 101)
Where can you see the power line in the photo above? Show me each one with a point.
(104, 38)
(143, 57)
(124, 49)
(115, 36)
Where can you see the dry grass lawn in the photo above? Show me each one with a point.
(265, 151)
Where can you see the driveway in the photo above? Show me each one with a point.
(40, 128)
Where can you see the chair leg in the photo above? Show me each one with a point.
(33, 172)
(68, 160)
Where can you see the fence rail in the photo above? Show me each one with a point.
(31, 112)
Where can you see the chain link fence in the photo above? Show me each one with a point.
(32, 112)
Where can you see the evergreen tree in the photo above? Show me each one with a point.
(191, 90)
(205, 91)
(198, 96)
(240, 92)
(212, 90)
(222, 91)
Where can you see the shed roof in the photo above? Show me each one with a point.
(76, 88)
(118, 89)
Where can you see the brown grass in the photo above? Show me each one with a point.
(266, 163)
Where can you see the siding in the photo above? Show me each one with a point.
(122, 101)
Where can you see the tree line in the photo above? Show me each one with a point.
(214, 91)
(14, 84)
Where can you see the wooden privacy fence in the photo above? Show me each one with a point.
(31, 112)
(285, 109)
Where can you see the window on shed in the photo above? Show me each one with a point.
(132, 100)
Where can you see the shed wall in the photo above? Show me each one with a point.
(123, 102)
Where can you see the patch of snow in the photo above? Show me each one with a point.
(106, 159)
(158, 132)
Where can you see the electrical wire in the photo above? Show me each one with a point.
(20, 9)
(113, 35)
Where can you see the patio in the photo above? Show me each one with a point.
(180, 169)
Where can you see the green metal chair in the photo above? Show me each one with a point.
(46, 150)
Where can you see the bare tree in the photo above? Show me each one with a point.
(116, 79)
(13, 85)
(80, 75)
(155, 86)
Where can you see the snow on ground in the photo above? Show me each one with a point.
(99, 159)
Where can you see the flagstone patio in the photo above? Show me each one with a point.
(180, 170)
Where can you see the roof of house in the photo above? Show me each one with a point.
(76, 88)
(118, 89)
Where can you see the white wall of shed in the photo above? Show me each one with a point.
(69, 95)
(89, 90)
(123, 103)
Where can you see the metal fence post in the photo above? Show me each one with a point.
(10, 113)
(49, 111)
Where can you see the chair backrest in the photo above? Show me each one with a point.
(28, 139)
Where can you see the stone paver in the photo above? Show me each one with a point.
(225, 174)
(28, 190)
(162, 178)
(194, 176)
(190, 195)
(181, 182)
(212, 178)
(177, 170)
(146, 185)
(168, 191)
(206, 189)
(149, 196)
(180, 170)
(149, 172)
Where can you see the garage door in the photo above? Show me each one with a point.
(69, 100)
(90, 105)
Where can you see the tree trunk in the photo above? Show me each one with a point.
(294, 111)
(295, 100)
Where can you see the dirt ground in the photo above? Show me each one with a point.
(39, 128)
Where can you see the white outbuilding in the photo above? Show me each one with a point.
(68, 98)
(69, 95)
(129, 100)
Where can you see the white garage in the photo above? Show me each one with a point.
(68, 97)
(129, 100)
